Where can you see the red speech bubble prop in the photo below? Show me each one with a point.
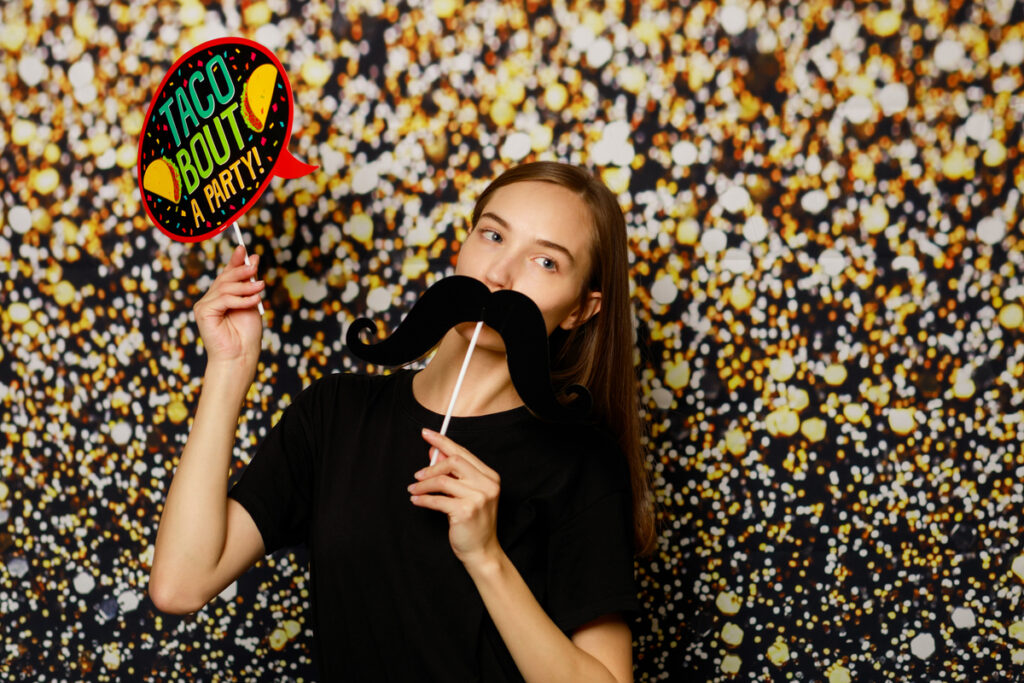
(215, 133)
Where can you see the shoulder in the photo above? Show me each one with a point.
(339, 385)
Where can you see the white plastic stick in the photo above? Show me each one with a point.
(458, 386)
(238, 236)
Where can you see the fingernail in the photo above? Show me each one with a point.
(409, 488)
(418, 475)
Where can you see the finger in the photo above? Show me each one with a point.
(221, 304)
(456, 488)
(452, 449)
(241, 288)
(449, 506)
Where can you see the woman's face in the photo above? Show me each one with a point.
(535, 237)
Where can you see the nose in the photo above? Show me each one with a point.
(498, 274)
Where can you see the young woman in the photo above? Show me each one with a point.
(510, 558)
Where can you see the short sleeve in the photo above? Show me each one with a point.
(277, 486)
(590, 564)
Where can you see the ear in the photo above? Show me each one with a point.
(584, 312)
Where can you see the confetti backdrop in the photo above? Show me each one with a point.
(823, 205)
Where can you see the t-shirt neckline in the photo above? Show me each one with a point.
(428, 418)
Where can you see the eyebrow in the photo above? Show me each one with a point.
(541, 242)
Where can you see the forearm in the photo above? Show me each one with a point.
(540, 650)
(191, 536)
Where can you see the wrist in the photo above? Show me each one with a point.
(486, 562)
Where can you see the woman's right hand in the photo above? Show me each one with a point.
(228, 321)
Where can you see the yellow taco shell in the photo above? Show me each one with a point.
(162, 178)
(257, 95)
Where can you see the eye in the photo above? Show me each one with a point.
(491, 235)
(546, 263)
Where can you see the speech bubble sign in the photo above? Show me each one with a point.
(216, 132)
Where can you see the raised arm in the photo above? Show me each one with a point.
(205, 540)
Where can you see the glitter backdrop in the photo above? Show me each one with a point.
(824, 213)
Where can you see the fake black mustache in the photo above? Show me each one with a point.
(460, 299)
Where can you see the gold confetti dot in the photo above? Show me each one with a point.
(316, 72)
(256, 14)
(1016, 631)
(19, 312)
(177, 412)
(813, 428)
(502, 112)
(732, 635)
(556, 96)
(782, 367)
(839, 674)
(731, 664)
(278, 639)
(728, 603)
(835, 374)
(778, 652)
(1011, 316)
(46, 181)
(902, 420)
(291, 628)
(445, 8)
(23, 132)
(782, 422)
(886, 23)
(736, 442)
(854, 412)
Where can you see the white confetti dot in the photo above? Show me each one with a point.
(230, 592)
(923, 645)
(713, 241)
(963, 617)
(1013, 51)
(949, 54)
(755, 228)
(86, 94)
(81, 73)
(20, 219)
(365, 179)
(599, 52)
(735, 199)
(516, 147)
(581, 38)
(832, 262)
(662, 398)
(379, 299)
(859, 109)
(684, 153)
(979, 126)
(614, 146)
(314, 291)
(664, 291)
(894, 98)
(269, 35)
(814, 201)
(128, 601)
(121, 433)
(31, 70)
(908, 263)
(733, 19)
(991, 229)
(84, 582)
(736, 261)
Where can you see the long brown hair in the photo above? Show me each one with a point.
(599, 353)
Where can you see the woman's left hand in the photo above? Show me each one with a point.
(460, 485)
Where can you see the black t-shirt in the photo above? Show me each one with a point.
(390, 600)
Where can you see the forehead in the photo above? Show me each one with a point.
(547, 210)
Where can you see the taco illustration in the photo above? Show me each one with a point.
(161, 177)
(256, 95)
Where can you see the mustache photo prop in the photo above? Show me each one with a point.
(514, 316)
